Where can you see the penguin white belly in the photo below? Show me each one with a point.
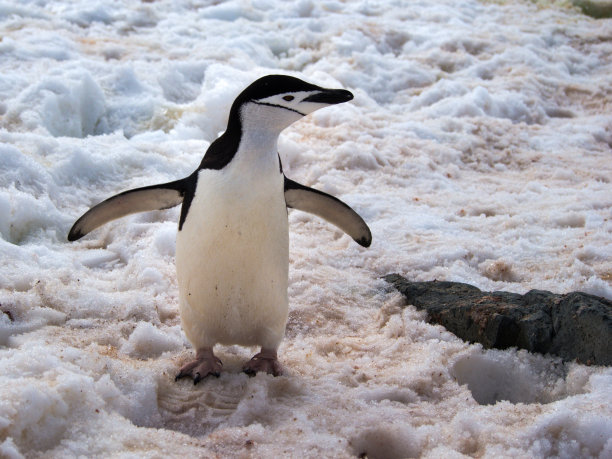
(232, 260)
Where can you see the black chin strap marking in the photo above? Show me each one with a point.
(279, 106)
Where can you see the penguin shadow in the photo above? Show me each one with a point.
(233, 399)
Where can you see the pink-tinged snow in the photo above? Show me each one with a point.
(478, 148)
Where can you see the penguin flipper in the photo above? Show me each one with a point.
(155, 197)
(333, 210)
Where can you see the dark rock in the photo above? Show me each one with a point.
(598, 9)
(573, 326)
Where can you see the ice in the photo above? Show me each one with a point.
(477, 148)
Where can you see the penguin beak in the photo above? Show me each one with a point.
(330, 96)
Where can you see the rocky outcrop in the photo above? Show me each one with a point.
(598, 9)
(573, 326)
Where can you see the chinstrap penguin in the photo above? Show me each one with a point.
(232, 245)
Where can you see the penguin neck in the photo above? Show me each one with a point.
(251, 138)
(258, 140)
(260, 127)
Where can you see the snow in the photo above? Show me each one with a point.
(478, 149)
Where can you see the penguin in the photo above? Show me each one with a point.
(232, 244)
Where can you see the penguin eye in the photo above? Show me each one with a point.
(288, 98)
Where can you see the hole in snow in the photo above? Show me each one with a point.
(517, 377)
(386, 441)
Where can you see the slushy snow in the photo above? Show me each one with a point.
(478, 148)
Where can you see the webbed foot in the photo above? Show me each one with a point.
(266, 361)
(205, 363)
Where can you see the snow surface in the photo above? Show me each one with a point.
(478, 148)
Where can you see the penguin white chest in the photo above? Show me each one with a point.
(232, 259)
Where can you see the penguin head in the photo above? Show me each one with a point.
(276, 101)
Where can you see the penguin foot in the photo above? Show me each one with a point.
(206, 363)
(266, 361)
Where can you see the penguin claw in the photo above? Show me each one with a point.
(200, 368)
(265, 363)
(249, 371)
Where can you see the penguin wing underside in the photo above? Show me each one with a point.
(156, 197)
(333, 210)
